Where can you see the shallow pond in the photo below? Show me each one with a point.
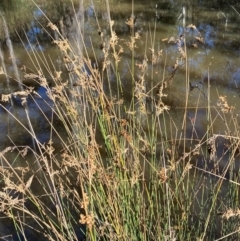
(213, 49)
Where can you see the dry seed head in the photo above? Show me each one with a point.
(113, 40)
(131, 44)
(160, 53)
(200, 39)
(63, 46)
(6, 98)
(164, 39)
(231, 213)
(163, 175)
(195, 46)
(116, 57)
(111, 23)
(104, 227)
(192, 26)
(5, 172)
(169, 151)
(137, 35)
(135, 177)
(155, 59)
(29, 182)
(23, 101)
(143, 109)
(123, 122)
(105, 64)
(186, 169)
(13, 186)
(130, 22)
(87, 219)
(49, 149)
(85, 201)
(143, 66)
(182, 53)
(161, 107)
(171, 39)
(173, 164)
(222, 103)
(52, 26)
(23, 68)
(152, 51)
(91, 161)
(7, 202)
(62, 190)
(31, 76)
(21, 93)
(7, 149)
(23, 170)
(57, 75)
(160, 90)
(176, 64)
(139, 91)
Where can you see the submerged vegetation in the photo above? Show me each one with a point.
(132, 164)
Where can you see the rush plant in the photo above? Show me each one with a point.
(127, 168)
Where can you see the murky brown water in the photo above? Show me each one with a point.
(213, 71)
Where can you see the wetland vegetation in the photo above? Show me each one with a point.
(119, 121)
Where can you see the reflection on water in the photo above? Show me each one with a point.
(213, 68)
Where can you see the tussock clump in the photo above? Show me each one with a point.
(126, 169)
